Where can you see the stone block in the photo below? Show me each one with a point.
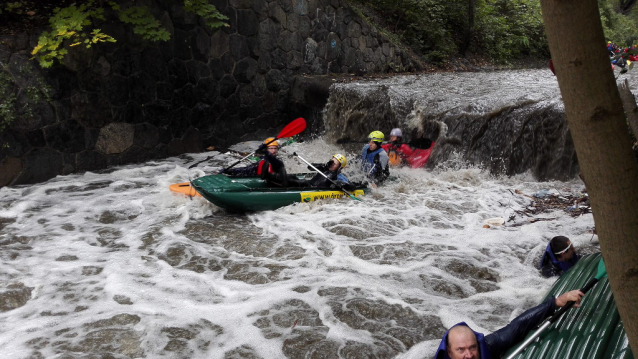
(90, 161)
(334, 46)
(142, 88)
(268, 34)
(276, 81)
(295, 60)
(279, 59)
(145, 135)
(277, 13)
(289, 41)
(245, 70)
(305, 26)
(11, 168)
(177, 73)
(310, 50)
(93, 110)
(218, 44)
(202, 43)
(239, 47)
(241, 4)
(293, 21)
(115, 137)
(39, 165)
(68, 136)
(182, 45)
(207, 90)
(227, 86)
(247, 23)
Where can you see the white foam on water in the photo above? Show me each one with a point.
(82, 241)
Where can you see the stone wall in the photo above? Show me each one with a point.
(135, 100)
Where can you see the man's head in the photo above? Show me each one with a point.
(462, 343)
(375, 138)
(337, 162)
(562, 248)
(273, 147)
(396, 135)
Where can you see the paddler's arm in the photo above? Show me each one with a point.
(503, 339)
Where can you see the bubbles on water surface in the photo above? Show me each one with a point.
(126, 268)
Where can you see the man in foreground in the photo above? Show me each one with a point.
(461, 342)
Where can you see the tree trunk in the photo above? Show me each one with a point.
(629, 104)
(470, 27)
(596, 120)
(626, 5)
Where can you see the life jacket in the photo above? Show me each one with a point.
(264, 167)
(368, 158)
(563, 265)
(441, 352)
(394, 154)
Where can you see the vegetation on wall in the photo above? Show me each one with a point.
(501, 30)
(74, 24)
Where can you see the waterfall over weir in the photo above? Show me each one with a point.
(508, 121)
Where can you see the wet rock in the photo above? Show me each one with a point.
(115, 138)
(14, 296)
(11, 167)
(39, 165)
(242, 352)
(122, 299)
(91, 270)
(67, 258)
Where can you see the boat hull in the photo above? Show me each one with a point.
(254, 194)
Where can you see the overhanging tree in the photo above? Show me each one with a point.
(598, 126)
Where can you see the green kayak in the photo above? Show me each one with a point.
(592, 331)
(254, 194)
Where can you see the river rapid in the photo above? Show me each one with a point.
(114, 265)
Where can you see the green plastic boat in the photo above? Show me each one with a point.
(592, 331)
(254, 194)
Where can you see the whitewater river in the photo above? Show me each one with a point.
(114, 265)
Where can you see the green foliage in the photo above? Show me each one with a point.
(144, 24)
(68, 24)
(14, 7)
(10, 108)
(619, 29)
(509, 29)
(73, 26)
(501, 29)
(211, 15)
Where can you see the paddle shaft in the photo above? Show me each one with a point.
(250, 154)
(326, 177)
(590, 284)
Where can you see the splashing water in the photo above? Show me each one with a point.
(114, 263)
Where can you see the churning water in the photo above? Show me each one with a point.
(114, 265)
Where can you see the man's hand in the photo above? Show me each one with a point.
(573, 296)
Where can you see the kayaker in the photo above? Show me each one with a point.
(332, 169)
(397, 151)
(558, 258)
(374, 159)
(269, 167)
(461, 342)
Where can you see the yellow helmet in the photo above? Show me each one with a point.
(376, 136)
(273, 143)
(342, 159)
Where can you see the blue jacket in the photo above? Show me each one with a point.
(550, 266)
(494, 345)
(375, 163)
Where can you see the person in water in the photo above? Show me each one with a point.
(397, 151)
(558, 258)
(374, 159)
(269, 167)
(332, 170)
(461, 342)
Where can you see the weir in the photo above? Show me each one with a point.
(507, 122)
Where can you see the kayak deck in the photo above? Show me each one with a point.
(254, 194)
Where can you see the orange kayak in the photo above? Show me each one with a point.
(184, 188)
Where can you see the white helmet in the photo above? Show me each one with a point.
(396, 132)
